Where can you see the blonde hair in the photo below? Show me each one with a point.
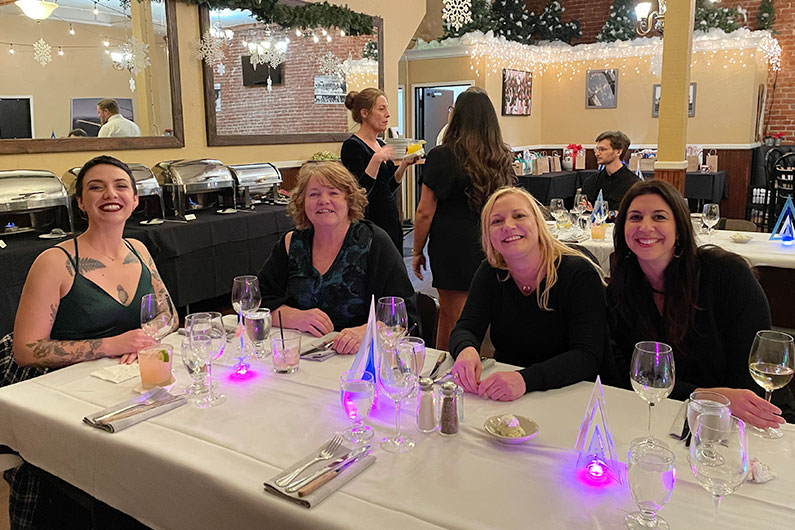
(330, 174)
(550, 249)
(364, 100)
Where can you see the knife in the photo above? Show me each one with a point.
(336, 464)
(325, 346)
(327, 476)
(485, 363)
(439, 361)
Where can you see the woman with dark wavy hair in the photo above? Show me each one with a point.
(458, 178)
(704, 302)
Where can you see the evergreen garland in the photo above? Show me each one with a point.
(620, 24)
(311, 15)
(726, 18)
(513, 21)
(767, 15)
(483, 20)
(550, 26)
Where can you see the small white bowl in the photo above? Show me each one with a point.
(530, 428)
(740, 238)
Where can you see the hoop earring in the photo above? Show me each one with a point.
(677, 249)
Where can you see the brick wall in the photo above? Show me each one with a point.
(780, 101)
(290, 107)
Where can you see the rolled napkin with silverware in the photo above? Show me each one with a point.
(127, 413)
(324, 471)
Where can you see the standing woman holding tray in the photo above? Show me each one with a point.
(458, 178)
(372, 162)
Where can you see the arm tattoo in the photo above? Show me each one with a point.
(53, 312)
(90, 264)
(123, 296)
(129, 258)
(65, 352)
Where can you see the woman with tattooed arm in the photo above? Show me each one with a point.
(81, 299)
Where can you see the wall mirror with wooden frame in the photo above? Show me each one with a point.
(56, 69)
(276, 85)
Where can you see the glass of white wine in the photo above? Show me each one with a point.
(772, 364)
(652, 375)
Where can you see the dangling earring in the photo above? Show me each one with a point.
(678, 249)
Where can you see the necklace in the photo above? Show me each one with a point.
(527, 289)
(95, 248)
(656, 291)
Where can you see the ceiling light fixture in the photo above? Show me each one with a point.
(36, 9)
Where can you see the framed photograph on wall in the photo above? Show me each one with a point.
(655, 101)
(601, 89)
(517, 92)
(330, 90)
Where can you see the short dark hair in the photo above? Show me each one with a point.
(98, 161)
(618, 140)
(111, 105)
(77, 132)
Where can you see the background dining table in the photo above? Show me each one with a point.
(204, 468)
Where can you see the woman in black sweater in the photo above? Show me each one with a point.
(544, 301)
(705, 303)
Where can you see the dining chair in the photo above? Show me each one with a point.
(428, 308)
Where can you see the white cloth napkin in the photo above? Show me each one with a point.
(117, 373)
(164, 403)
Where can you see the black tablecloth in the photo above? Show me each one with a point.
(558, 185)
(197, 260)
(701, 186)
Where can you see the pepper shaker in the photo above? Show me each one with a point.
(448, 418)
(426, 415)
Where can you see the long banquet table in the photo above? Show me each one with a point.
(204, 469)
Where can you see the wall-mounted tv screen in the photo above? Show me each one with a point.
(259, 77)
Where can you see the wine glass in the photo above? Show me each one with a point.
(258, 326)
(651, 470)
(245, 297)
(772, 365)
(392, 321)
(559, 212)
(357, 391)
(207, 337)
(398, 376)
(195, 361)
(711, 217)
(157, 315)
(580, 202)
(652, 375)
(725, 473)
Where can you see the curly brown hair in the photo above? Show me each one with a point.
(331, 174)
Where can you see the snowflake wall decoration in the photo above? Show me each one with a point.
(330, 64)
(41, 52)
(266, 52)
(135, 55)
(211, 49)
(456, 13)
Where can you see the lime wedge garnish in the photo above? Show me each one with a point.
(164, 356)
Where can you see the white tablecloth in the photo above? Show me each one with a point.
(758, 251)
(204, 469)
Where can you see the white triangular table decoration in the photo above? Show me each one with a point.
(367, 358)
(597, 452)
(785, 226)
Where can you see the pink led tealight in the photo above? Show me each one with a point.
(595, 473)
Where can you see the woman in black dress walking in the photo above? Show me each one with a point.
(372, 162)
(458, 178)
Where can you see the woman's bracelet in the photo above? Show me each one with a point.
(415, 252)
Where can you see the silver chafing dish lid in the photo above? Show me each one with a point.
(195, 175)
(29, 189)
(263, 175)
(145, 180)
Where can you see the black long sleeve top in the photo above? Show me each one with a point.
(567, 344)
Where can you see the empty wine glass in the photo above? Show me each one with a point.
(357, 391)
(772, 364)
(392, 320)
(397, 377)
(651, 470)
(258, 326)
(245, 297)
(719, 456)
(652, 375)
(711, 217)
(207, 337)
(157, 315)
(580, 203)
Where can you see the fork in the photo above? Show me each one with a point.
(325, 454)
(151, 400)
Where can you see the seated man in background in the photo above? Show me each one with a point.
(113, 123)
(615, 178)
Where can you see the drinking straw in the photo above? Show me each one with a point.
(281, 329)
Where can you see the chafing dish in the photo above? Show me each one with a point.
(195, 185)
(33, 200)
(150, 194)
(256, 183)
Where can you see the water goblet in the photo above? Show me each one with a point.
(707, 402)
(651, 470)
(207, 337)
(772, 364)
(245, 297)
(719, 456)
(397, 378)
(357, 391)
(652, 375)
(258, 326)
(711, 217)
(157, 315)
(195, 362)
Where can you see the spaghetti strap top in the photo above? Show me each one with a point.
(88, 312)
